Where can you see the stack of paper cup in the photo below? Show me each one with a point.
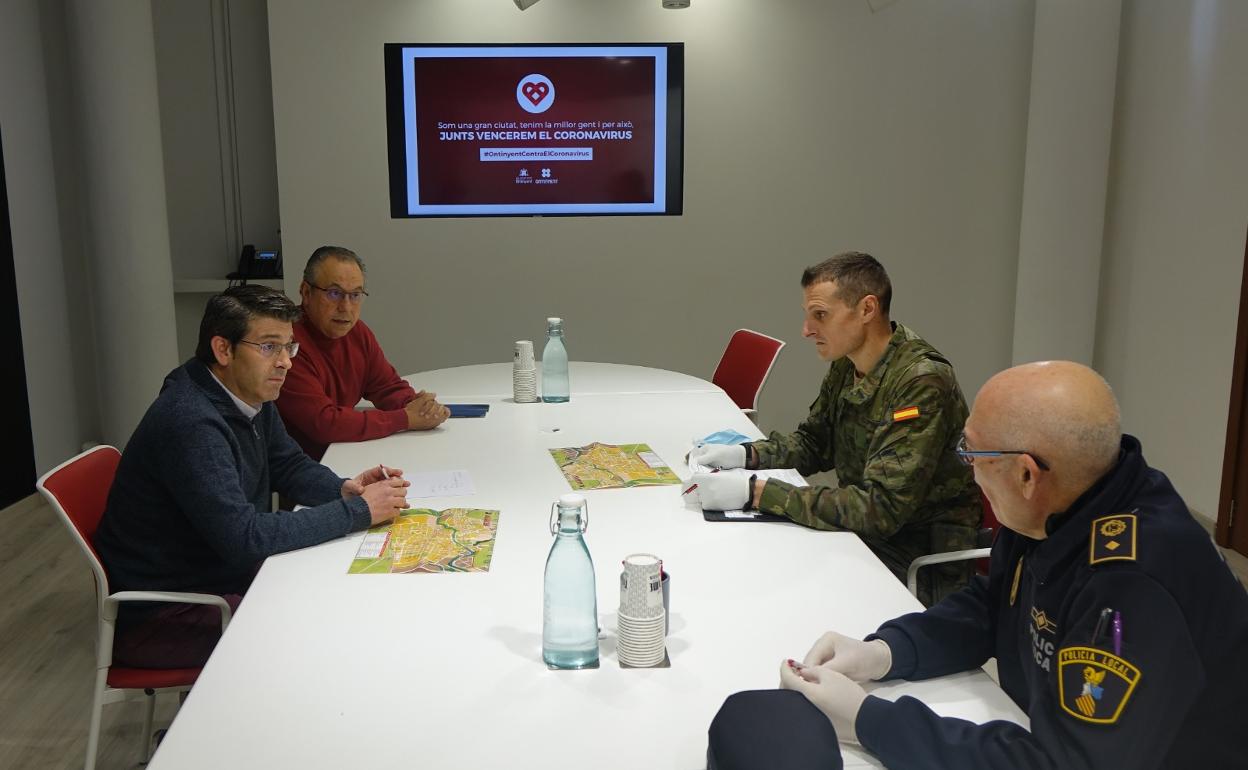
(524, 373)
(641, 615)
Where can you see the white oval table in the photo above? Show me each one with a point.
(321, 669)
(586, 378)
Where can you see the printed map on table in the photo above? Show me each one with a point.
(610, 466)
(424, 540)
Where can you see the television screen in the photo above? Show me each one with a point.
(523, 130)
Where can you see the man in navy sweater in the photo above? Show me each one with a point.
(191, 506)
(1115, 622)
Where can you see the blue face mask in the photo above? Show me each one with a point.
(725, 437)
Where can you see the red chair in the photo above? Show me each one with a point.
(744, 366)
(983, 542)
(78, 490)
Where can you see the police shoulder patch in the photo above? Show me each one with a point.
(1094, 685)
(1113, 538)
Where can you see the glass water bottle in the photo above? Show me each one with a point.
(555, 387)
(570, 598)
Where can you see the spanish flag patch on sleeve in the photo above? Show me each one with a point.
(909, 413)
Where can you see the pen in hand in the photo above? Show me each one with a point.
(798, 668)
(385, 476)
(695, 486)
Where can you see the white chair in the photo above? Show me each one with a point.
(78, 491)
(987, 533)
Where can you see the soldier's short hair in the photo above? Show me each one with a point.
(857, 274)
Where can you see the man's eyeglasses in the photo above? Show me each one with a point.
(269, 349)
(968, 455)
(338, 295)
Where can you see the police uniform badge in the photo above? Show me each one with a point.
(1041, 620)
(1113, 538)
(1094, 685)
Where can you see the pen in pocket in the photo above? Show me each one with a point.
(1100, 625)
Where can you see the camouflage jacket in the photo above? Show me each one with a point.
(890, 438)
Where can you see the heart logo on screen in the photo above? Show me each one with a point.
(535, 93)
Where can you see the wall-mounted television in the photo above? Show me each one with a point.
(535, 129)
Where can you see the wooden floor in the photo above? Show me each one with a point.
(47, 650)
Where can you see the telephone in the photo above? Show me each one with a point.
(253, 263)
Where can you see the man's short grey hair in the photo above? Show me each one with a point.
(330, 252)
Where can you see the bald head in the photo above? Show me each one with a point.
(1060, 411)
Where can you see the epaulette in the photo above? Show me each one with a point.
(1113, 538)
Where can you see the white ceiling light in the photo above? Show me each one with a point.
(523, 4)
(675, 3)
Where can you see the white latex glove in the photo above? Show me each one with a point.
(833, 693)
(860, 661)
(718, 456)
(721, 491)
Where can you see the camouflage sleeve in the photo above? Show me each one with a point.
(809, 448)
(903, 456)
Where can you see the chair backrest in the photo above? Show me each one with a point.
(745, 364)
(77, 490)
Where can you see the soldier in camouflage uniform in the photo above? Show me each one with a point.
(887, 418)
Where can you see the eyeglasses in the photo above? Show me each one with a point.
(338, 295)
(968, 455)
(269, 349)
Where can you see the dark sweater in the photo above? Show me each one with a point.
(191, 506)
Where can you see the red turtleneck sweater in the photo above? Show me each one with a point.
(328, 378)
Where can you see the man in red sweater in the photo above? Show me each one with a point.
(340, 362)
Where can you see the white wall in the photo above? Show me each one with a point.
(216, 115)
(1070, 120)
(812, 127)
(901, 132)
(1175, 229)
(59, 422)
(216, 133)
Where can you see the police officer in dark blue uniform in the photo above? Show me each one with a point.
(1116, 624)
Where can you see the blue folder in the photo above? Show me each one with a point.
(468, 410)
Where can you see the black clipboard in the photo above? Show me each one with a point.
(754, 516)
